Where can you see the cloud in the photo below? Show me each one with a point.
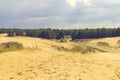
(50, 13)
(107, 3)
(72, 3)
(38, 19)
(88, 2)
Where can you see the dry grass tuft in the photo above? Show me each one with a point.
(104, 44)
(10, 46)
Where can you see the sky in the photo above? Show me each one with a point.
(63, 14)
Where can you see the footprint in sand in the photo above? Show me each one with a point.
(40, 66)
(11, 78)
(83, 71)
(20, 73)
(31, 67)
(36, 74)
(109, 66)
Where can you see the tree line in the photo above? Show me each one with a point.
(60, 33)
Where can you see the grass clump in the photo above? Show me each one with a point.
(10, 46)
(99, 50)
(81, 49)
(85, 49)
(34, 48)
(105, 44)
(77, 48)
(60, 48)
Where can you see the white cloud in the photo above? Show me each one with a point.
(87, 2)
(72, 3)
(69, 26)
(107, 24)
(38, 19)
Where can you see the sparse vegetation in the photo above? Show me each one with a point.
(32, 48)
(80, 49)
(10, 46)
(85, 49)
(76, 49)
(99, 50)
(104, 44)
(60, 48)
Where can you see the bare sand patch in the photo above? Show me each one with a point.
(49, 64)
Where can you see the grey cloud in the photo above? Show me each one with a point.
(13, 13)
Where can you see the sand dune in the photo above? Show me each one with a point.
(46, 63)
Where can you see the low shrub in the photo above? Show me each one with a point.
(63, 40)
(10, 46)
(105, 44)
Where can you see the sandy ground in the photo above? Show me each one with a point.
(49, 64)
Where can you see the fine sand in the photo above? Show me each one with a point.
(45, 63)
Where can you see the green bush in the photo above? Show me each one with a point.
(105, 44)
(10, 46)
(62, 40)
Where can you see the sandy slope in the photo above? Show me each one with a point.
(49, 64)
